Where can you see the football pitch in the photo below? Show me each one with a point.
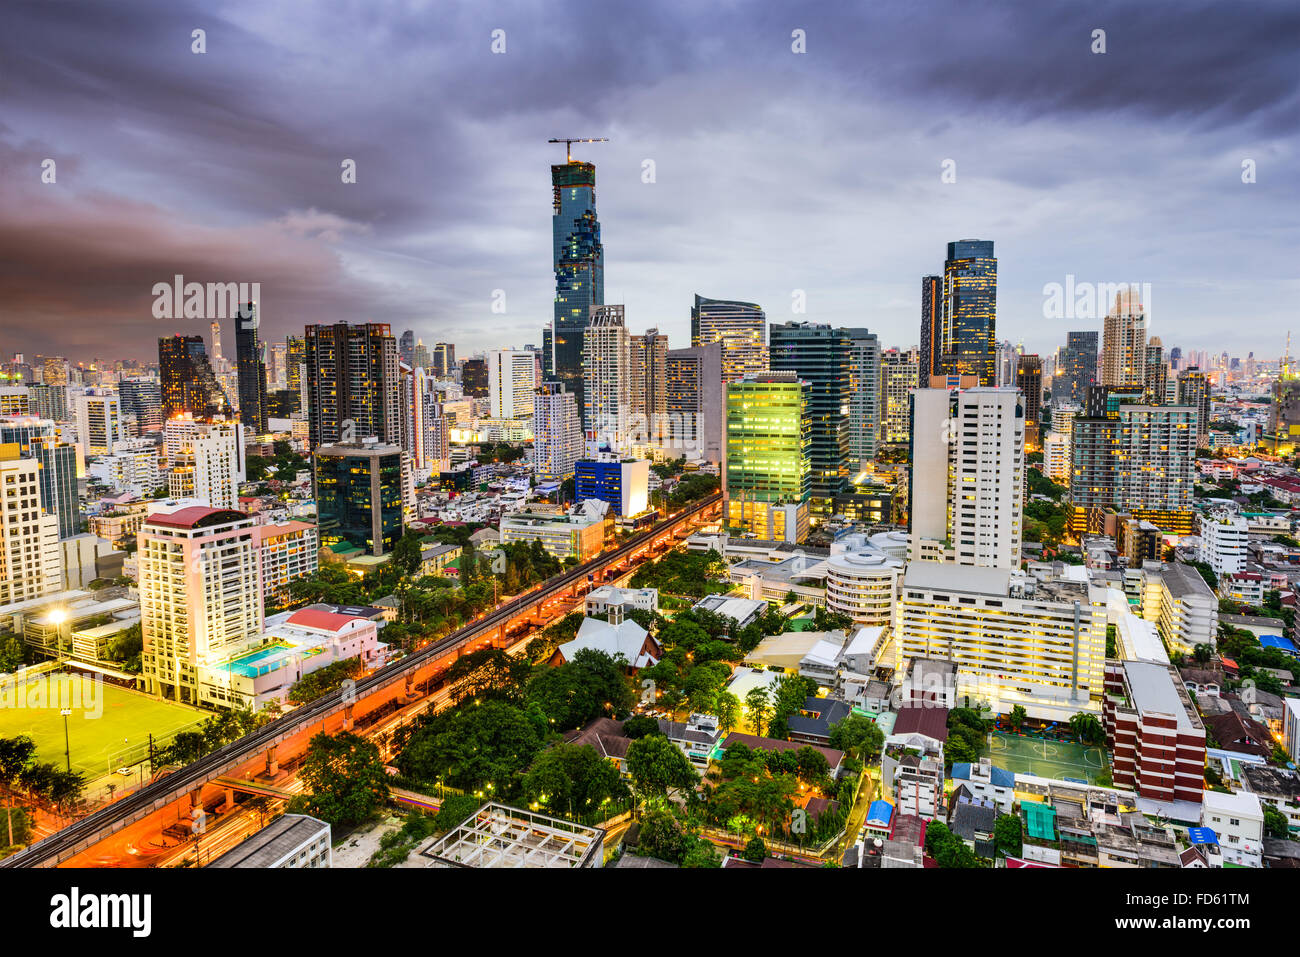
(108, 727)
(1047, 759)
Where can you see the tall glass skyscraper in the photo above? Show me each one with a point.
(970, 305)
(931, 330)
(252, 370)
(187, 380)
(738, 327)
(579, 268)
(820, 356)
(768, 442)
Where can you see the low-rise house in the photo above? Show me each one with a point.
(742, 611)
(972, 821)
(623, 638)
(1238, 820)
(834, 758)
(599, 601)
(1233, 732)
(696, 738)
(812, 725)
(1279, 787)
(985, 781)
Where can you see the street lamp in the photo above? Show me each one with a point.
(67, 746)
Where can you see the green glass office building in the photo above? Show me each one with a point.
(768, 477)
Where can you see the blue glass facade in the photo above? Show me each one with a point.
(579, 268)
(602, 481)
(970, 305)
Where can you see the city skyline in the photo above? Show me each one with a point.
(838, 193)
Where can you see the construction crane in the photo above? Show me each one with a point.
(568, 145)
(1286, 357)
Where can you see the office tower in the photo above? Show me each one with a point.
(422, 357)
(430, 431)
(739, 327)
(624, 484)
(1175, 358)
(99, 422)
(767, 472)
(1156, 372)
(15, 400)
(187, 381)
(277, 370)
(511, 383)
(1078, 369)
(251, 370)
(200, 593)
(362, 493)
(864, 397)
(36, 438)
(1013, 640)
(474, 378)
(55, 371)
(353, 384)
(1194, 391)
(557, 433)
(967, 481)
(141, 405)
(931, 351)
(209, 464)
(1134, 458)
(1029, 380)
(217, 357)
(444, 358)
(295, 361)
(648, 369)
(970, 293)
(695, 403)
(29, 555)
(898, 375)
(819, 355)
(406, 348)
(579, 262)
(1124, 342)
(607, 378)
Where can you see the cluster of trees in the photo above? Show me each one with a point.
(502, 452)
(39, 781)
(218, 730)
(946, 848)
(967, 732)
(691, 488)
(1046, 522)
(692, 574)
(1040, 484)
(859, 737)
(664, 835)
(1243, 647)
(345, 779)
(127, 649)
(324, 680)
(13, 653)
(285, 462)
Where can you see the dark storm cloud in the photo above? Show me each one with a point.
(776, 171)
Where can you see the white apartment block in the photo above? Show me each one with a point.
(1176, 599)
(557, 433)
(1056, 457)
(607, 379)
(99, 422)
(1238, 821)
(1224, 537)
(131, 468)
(200, 593)
(290, 550)
(14, 400)
(29, 538)
(512, 377)
(1014, 640)
(1124, 342)
(967, 480)
(211, 467)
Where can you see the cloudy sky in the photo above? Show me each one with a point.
(774, 171)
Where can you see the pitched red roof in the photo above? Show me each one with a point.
(321, 620)
(190, 516)
(931, 722)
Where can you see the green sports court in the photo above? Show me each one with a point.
(108, 728)
(1047, 759)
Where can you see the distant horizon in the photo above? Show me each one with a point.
(769, 155)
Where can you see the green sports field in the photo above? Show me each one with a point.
(1047, 759)
(109, 726)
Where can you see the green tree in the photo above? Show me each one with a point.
(758, 706)
(1008, 835)
(572, 780)
(1017, 717)
(755, 850)
(345, 778)
(11, 653)
(476, 745)
(1275, 822)
(858, 736)
(657, 766)
(640, 725)
(590, 686)
(1087, 728)
(727, 709)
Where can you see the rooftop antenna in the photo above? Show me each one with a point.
(569, 141)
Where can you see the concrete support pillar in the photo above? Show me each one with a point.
(272, 765)
(229, 805)
(347, 717)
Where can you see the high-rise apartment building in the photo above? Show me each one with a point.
(1157, 373)
(970, 295)
(1194, 391)
(1077, 368)
(48, 401)
(767, 471)
(208, 465)
(820, 355)
(557, 433)
(864, 397)
(1124, 342)
(739, 327)
(579, 261)
(444, 358)
(607, 376)
(474, 378)
(430, 447)
(99, 421)
(29, 534)
(967, 480)
(899, 370)
(406, 348)
(37, 439)
(696, 403)
(353, 384)
(1029, 380)
(648, 369)
(295, 366)
(931, 351)
(141, 405)
(511, 383)
(187, 381)
(200, 593)
(251, 370)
